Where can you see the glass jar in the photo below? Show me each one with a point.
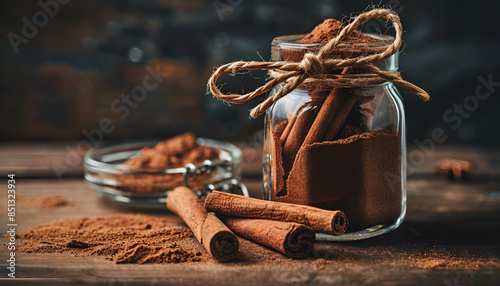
(105, 172)
(339, 148)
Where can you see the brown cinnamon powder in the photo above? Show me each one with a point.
(360, 175)
(329, 29)
(173, 153)
(123, 238)
(44, 202)
(352, 44)
(137, 238)
(414, 255)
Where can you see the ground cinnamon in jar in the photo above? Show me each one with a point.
(326, 154)
(326, 31)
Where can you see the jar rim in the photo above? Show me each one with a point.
(281, 44)
(290, 42)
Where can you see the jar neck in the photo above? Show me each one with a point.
(286, 48)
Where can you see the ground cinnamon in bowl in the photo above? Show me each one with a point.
(141, 174)
(172, 153)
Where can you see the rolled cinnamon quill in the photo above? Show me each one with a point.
(329, 112)
(326, 221)
(217, 239)
(292, 239)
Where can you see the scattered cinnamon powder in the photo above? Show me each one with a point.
(366, 255)
(44, 202)
(319, 263)
(173, 153)
(137, 238)
(455, 263)
(123, 238)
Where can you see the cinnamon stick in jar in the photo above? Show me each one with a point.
(294, 139)
(326, 221)
(217, 239)
(325, 115)
(339, 102)
(339, 117)
(292, 239)
(333, 110)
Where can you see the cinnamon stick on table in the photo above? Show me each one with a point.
(217, 239)
(326, 221)
(292, 239)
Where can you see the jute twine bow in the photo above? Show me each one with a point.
(295, 73)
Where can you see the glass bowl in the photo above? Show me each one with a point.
(105, 172)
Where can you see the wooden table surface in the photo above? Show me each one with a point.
(459, 219)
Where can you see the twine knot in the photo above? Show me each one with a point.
(293, 74)
(311, 65)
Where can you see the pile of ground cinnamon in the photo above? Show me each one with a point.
(327, 154)
(123, 238)
(353, 44)
(328, 30)
(173, 153)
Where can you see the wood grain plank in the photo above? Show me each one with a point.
(47, 159)
(451, 217)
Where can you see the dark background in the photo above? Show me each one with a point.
(65, 78)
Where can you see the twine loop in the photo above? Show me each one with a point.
(295, 73)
